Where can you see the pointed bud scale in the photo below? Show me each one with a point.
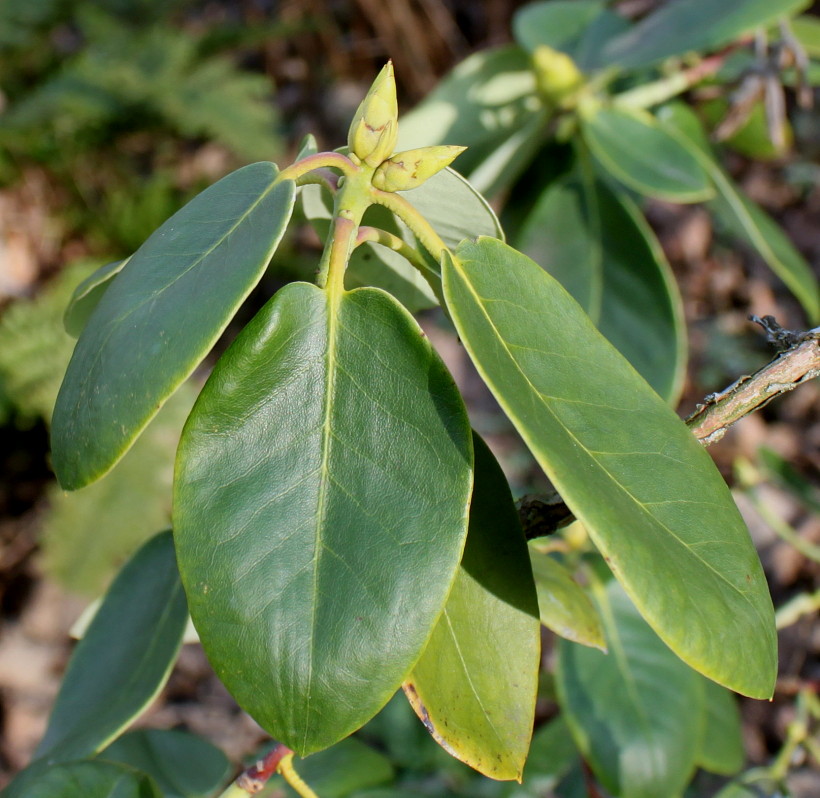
(411, 168)
(375, 127)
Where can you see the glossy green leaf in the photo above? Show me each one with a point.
(634, 712)
(341, 770)
(636, 150)
(182, 764)
(606, 26)
(552, 754)
(87, 296)
(328, 462)
(480, 103)
(743, 218)
(91, 780)
(474, 687)
(505, 162)
(565, 607)
(696, 25)
(599, 246)
(559, 24)
(720, 744)
(162, 315)
(124, 659)
(454, 208)
(647, 492)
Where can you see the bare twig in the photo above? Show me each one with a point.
(796, 365)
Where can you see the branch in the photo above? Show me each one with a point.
(252, 780)
(797, 364)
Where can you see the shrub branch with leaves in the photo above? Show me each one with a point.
(339, 530)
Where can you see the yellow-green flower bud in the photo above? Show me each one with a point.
(556, 74)
(406, 170)
(375, 127)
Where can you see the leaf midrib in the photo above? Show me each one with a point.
(456, 266)
(333, 301)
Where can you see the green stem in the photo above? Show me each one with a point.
(377, 236)
(294, 779)
(351, 202)
(320, 159)
(234, 791)
(796, 734)
(420, 227)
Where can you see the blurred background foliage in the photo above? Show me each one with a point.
(114, 112)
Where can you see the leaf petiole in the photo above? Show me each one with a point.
(319, 160)
(419, 226)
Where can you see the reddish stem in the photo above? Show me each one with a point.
(254, 778)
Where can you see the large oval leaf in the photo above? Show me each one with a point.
(564, 606)
(720, 743)
(635, 713)
(596, 243)
(90, 780)
(182, 764)
(87, 296)
(124, 658)
(642, 155)
(161, 315)
(626, 465)
(743, 218)
(475, 685)
(676, 28)
(559, 24)
(320, 509)
(485, 99)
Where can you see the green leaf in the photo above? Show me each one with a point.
(634, 712)
(474, 687)
(635, 149)
(696, 25)
(486, 98)
(649, 495)
(720, 745)
(599, 246)
(505, 162)
(343, 769)
(559, 24)
(552, 754)
(87, 296)
(162, 315)
(565, 607)
(90, 780)
(182, 764)
(328, 461)
(125, 657)
(454, 208)
(743, 218)
(806, 29)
